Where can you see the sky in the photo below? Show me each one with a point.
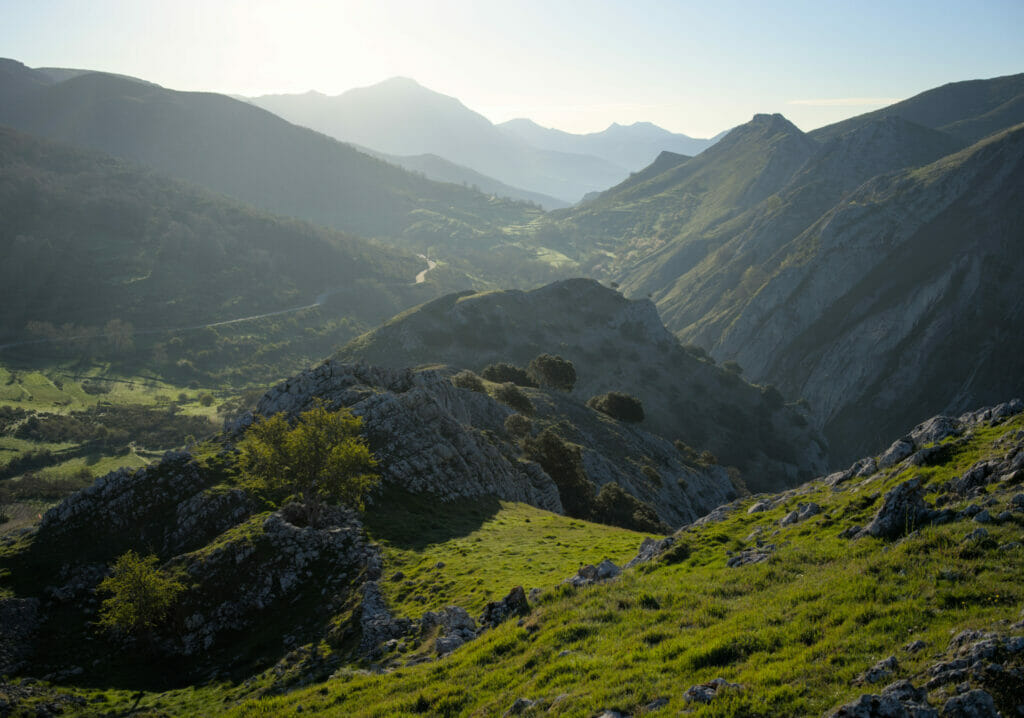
(577, 65)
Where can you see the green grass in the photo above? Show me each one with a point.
(487, 548)
(794, 631)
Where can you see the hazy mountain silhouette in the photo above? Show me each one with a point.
(631, 146)
(401, 117)
(247, 153)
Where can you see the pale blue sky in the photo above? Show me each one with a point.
(693, 67)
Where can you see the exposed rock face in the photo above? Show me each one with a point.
(873, 310)
(899, 700)
(616, 345)
(376, 621)
(432, 437)
(423, 430)
(164, 507)
(251, 574)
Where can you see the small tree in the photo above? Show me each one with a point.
(564, 464)
(618, 406)
(502, 372)
(468, 380)
(140, 595)
(554, 371)
(512, 396)
(322, 458)
(518, 426)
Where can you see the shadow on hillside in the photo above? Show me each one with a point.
(415, 521)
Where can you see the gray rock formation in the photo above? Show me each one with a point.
(514, 604)
(903, 509)
(432, 437)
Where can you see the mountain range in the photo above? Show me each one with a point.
(401, 118)
(729, 242)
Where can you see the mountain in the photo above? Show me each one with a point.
(631, 146)
(899, 300)
(616, 345)
(967, 110)
(698, 301)
(401, 117)
(439, 169)
(249, 154)
(88, 239)
(675, 198)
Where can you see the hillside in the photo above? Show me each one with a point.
(899, 301)
(659, 210)
(893, 583)
(967, 110)
(616, 345)
(378, 117)
(89, 240)
(249, 154)
(440, 169)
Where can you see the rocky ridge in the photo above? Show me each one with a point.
(432, 437)
(616, 345)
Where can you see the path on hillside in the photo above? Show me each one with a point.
(422, 276)
(319, 301)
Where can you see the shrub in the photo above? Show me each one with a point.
(468, 380)
(501, 372)
(689, 454)
(564, 464)
(518, 426)
(554, 371)
(618, 406)
(512, 396)
(140, 595)
(707, 458)
(616, 507)
(322, 458)
(732, 367)
(206, 399)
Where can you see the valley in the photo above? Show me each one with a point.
(309, 407)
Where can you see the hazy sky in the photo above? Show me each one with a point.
(693, 67)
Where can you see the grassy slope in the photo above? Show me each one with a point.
(794, 631)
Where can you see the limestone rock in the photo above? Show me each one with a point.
(514, 604)
(903, 509)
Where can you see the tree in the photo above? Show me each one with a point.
(617, 405)
(502, 372)
(554, 371)
(564, 464)
(140, 595)
(322, 458)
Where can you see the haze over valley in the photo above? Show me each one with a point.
(582, 361)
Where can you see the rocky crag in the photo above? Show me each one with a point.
(616, 345)
(433, 437)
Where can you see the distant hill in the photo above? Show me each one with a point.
(900, 301)
(439, 169)
(401, 117)
(249, 154)
(87, 239)
(631, 146)
(616, 345)
(707, 238)
(967, 110)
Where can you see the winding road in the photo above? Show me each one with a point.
(320, 299)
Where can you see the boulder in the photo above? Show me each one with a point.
(903, 509)
(514, 604)
(898, 700)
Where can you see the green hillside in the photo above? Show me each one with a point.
(234, 148)
(800, 601)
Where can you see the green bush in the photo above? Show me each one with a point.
(564, 464)
(468, 380)
(512, 396)
(618, 406)
(554, 371)
(616, 507)
(140, 595)
(732, 367)
(518, 426)
(322, 458)
(501, 372)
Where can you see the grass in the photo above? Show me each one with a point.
(486, 549)
(794, 631)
